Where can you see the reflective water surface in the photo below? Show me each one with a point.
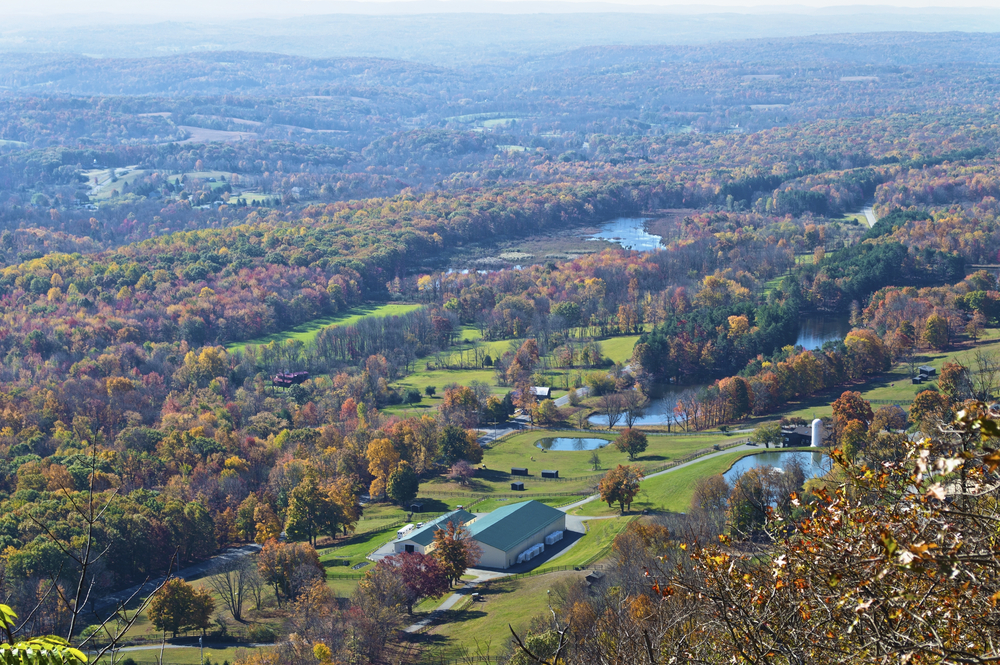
(630, 233)
(571, 443)
(814, 464)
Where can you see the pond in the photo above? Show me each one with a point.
(630, 233)
(564, 443)
(660, 410)
(818, 329)
(814, 464)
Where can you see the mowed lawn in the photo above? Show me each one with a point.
(483, 625)
(593, 546)
(574, 466)
(174, 655)
(306, 332)
(672, 491)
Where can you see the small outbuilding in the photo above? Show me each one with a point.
(927, 370)
(800, 436)
(422, 537)
(517, 486)
(518, 471)
(550, 473)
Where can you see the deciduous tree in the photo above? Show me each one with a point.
(621, 485)
(178, 606)
(632, 441)
(455, 550)
(422, 575)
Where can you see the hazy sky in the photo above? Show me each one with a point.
(192, 9)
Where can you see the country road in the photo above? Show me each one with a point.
(870, 216)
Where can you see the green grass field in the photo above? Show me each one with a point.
(515, 602)
(484, 625)
(489, 505)
(895, 384)
(593, 546)
(573, 465)
(672, 491)
(618, 349)
(174, 655)
(308, 331)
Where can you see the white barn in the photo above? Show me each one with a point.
(421, 538)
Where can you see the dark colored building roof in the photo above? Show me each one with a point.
(286, 379)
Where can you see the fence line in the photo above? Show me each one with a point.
(604, 432)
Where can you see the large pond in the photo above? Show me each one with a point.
(563, 443)
(660, 410)
(818, 329)
(814, 464)
(630, 233)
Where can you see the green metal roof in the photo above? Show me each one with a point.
(424, 535)
(506, 527)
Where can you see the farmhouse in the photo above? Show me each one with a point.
(507, 532)
(542, 392)
(420, 538)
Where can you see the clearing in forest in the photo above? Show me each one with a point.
(306, 332)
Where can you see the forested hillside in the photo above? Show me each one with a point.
(180, 237)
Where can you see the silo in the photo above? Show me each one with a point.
(817, 433)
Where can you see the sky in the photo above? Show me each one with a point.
(191, 9)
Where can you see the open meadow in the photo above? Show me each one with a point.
(306, 332)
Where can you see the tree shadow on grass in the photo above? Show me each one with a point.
(424, 638)
(491, 475)
(431, 506)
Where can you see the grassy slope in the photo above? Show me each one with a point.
(594, 546)
(484, 624)
(308, 331)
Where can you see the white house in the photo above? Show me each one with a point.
(420, 538)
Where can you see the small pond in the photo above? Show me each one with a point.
(814, 464)
(630, 233)
(571, 443)
(817, 330)
(660, 409)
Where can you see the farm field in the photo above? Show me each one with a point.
(436, 372)
(306, 332)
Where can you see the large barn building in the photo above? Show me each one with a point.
(507, 532)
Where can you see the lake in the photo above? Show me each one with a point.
(661, 407)
(630, 233)
(818, 329)
(565, 443)
(814, 464)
